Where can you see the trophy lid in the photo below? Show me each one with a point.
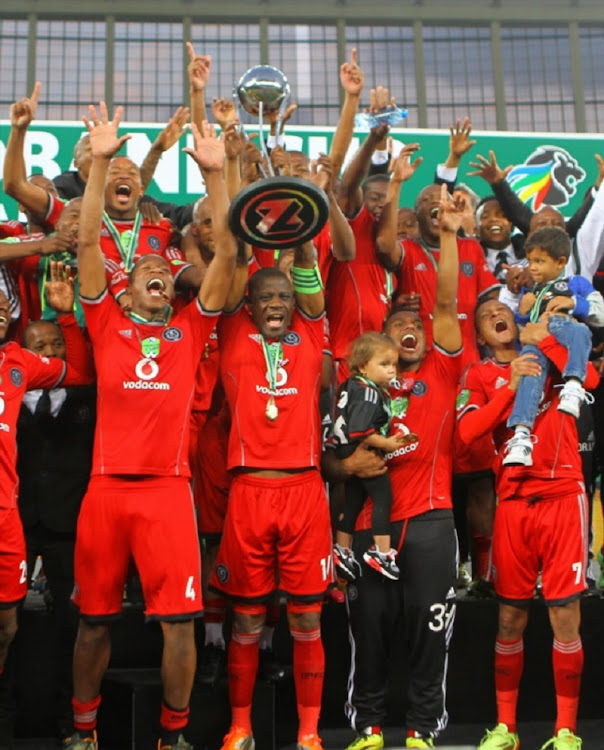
(262, 83)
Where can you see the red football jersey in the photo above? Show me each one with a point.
(358, 291)
(153, 239)
(417, 273)
(424, 402)
(144, 397)
(293, 440)
(556, 465)
(20, 371)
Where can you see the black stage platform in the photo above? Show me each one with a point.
(128, 714)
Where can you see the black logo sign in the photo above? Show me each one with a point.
(419, 388)
(172, 334)
(291, 338)
(278, 212)
(16, 376)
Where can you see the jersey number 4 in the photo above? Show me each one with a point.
(190, 590)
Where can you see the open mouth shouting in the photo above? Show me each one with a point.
(157, 288)
(409, 342)
(434, 216)
(123, 193)
(275, 321)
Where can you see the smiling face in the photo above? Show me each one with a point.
(374, 196)
(495, 325)
(123, 188)
(4, 315)
(151, 286)
(271, 304)
(406, 329)
(494, 226)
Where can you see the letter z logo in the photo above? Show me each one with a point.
(280, 215)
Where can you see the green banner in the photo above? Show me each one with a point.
(553, 169)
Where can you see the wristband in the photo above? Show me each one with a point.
(307, 280)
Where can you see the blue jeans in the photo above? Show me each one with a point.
(575, 337)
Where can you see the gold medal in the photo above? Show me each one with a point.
(272, 412)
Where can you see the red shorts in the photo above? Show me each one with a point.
(550, 535)
(13, 559)
(151, 520)
(474, 458)
(212, 480)
(275, 530)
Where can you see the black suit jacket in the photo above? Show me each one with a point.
(54, 461)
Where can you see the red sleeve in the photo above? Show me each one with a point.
(476, 422)
(55, 209)
(43, 372)
(176, 260)
(557, 354)
(80, 364)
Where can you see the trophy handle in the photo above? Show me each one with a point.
(263, 148)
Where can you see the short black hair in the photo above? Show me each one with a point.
(374, 178)
(552, 240)
(261, 275)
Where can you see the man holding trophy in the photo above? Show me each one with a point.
(277, 530)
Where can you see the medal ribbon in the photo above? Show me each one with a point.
(534, 312)
(273, 354)
(428, 252)
(126, 248)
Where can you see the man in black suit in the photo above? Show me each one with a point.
(54, 440)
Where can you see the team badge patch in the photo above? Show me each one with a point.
(16, 376)
(467, 268)
(561, 286)
(291, 338)
(154, 243)
(172, 334)
(463, 398)
(419, 388)
(222, 573)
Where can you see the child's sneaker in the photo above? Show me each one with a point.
(572, 396)
(519, 450)
(383, 562)
(346, 563)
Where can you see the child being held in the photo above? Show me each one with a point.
(363, 416)
(563, 302)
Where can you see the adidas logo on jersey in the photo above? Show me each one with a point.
(500, 382)
(421, 267)
(127, 333)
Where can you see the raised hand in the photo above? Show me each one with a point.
(488, 169)
(281, 161)
(233, 139)
(209, 149)
(322, 172)
(59, 290)
(104, 140)
(273, 118)
(351, 75)
(24, 111)
(59, 242)
(223, 111)
(176, 126)
(198, 69)
(459, 140)
(404, 168)
(450, 212)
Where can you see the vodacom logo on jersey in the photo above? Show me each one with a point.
(146, 370)
(280, 382)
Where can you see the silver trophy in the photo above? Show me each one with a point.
(263, 90)
(275, 212)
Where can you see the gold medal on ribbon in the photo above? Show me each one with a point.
(271, 411)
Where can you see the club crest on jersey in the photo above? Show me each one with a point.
(222, 573)
(154, 243)
(561, 286)
(292, 338)
(467, 268)
(419, 388)
(16, 376)
(172, 334)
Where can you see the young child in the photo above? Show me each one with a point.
(564, 302)
(363, 415)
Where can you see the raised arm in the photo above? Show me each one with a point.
(387, 245)
(349, 195)
(32, 197)
(198, 71)
(105, 143)
(342, 237)
(307, 281)
(447, 332)
(209, 155)
(168, 137)
(352, 80)
(517, 212)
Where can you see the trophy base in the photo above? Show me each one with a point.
(278, 212)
